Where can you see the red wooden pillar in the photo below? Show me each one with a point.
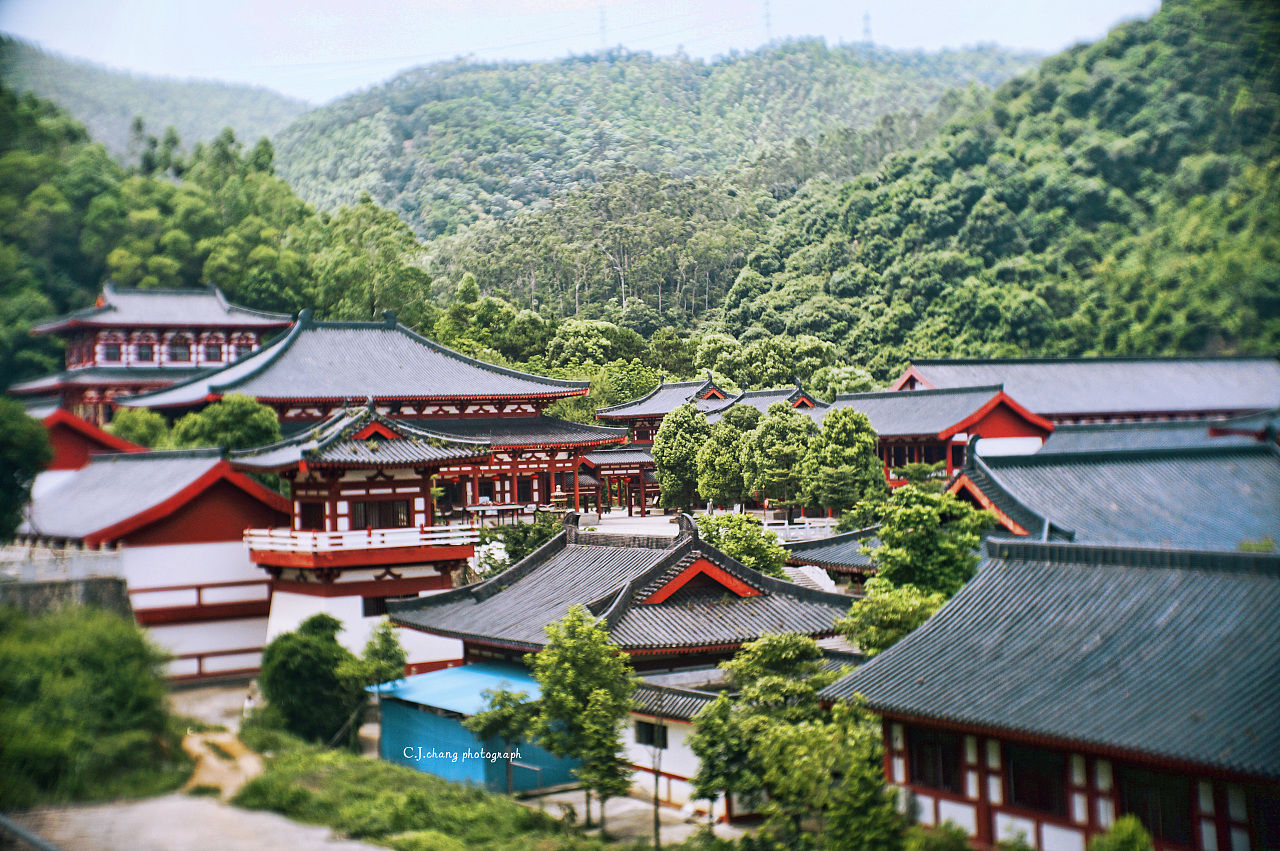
(644, 502)
(577, 497)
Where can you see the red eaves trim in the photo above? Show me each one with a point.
(375, 428)
(964, 483)
(701, 567)
(219, 472)
(64, 417)
(1067, 744)
(911, 372)
(1000, 398)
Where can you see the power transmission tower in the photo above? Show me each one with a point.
(866, 27)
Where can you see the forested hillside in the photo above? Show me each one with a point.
(107, 101)
(454, 143)
(71, 217)
(1121, 199)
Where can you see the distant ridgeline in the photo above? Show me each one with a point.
(1124, 198)
(107, 101)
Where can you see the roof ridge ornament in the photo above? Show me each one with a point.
(389, 318)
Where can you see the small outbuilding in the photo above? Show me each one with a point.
(422, 728)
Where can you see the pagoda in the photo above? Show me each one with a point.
(133, 341)
(319, 369)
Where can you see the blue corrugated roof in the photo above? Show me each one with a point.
(461, 689)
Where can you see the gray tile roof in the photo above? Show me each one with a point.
(1260, 426)
(670, 701)
(621, 455)
(332, 442)
(1100, 437)
(95, 375)
(610, 575)
(1071, 386)
(186, 308)
(1167, 654)
(112, 489)
(1211, 497)
(524, 431)
(664, 399)
(761, 400)
(355, 361)
(917, 412)
(841, 553)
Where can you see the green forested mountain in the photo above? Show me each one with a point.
(454, 143)
(107, 101)
(71, 217)
(1121, 199)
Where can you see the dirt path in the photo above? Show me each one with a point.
(222, 763)
(178, 823)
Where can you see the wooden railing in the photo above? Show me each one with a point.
(201, 671)
(260, 585)
(287, 540)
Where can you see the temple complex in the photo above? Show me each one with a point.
(132, 341)
(644, 415)
(1088, 390)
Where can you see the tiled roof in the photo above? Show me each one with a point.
(1260, 426)
(610, 576)
(841, 553)
(527, 432)
(1100, 437)
(761, 400)
(333, 442)
(918, 412)
(97, 375)
(355, 361)
(621, 455)
(670, 701)
(1067, 386)
(1210, 497)
(112, 489)
(187, 308)
(664, 399)
(1167, 654)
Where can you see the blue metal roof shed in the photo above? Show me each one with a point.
(422, 728)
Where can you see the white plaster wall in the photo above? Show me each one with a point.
(677, 758)
(178, 639)
(962, 815)
(188, 564)
(288, 610)
(1008, 827)
(1061, 838)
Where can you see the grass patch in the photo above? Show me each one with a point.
(399, 807)
(220, 752)
(204, 790)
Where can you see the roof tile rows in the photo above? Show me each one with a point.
(1206, 498)
(1174, 654)
(355, 361)
(153, 308)
(1081, 386)
(841, 553)
(664, 399)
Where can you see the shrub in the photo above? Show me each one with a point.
(304, 681)
(82, 712)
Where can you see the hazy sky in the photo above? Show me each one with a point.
(319, 49)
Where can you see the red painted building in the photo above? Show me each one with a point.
(133, 341)
(177, 519)
(1021, 709)
(931, 426)
(319, 369)
(644, 415)
(76, 442)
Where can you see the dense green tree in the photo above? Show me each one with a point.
(24, 452)
(509, 719)
(586, 684)
(306, 680)
(1127, 834)
(743, 537)
(719, 459)
(887, 613)
(675, 454)
(236, 422)
(82, 709)
(382, 663)
(929, 540)
(840, 467)
(772, 453)
(141, 426)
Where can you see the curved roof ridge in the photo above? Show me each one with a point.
(813, 543)
(1044, 459)
(1006, 501)
(492, 367)
(914, 394)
